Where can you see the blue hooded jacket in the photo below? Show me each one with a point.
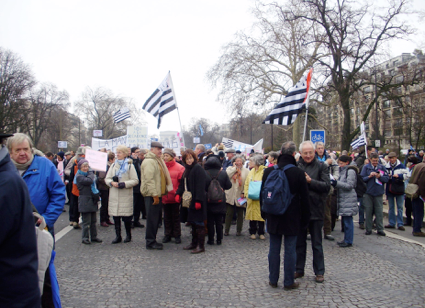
(47, 191)
(373, 188)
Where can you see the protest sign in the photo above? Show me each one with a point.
(170, 139)
(109, 144)
(137, 136)
(97, 160)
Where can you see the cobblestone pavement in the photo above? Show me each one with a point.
(375, 272)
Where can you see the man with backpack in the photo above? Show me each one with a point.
(295, 217)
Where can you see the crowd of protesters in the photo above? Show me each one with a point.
(210, 190)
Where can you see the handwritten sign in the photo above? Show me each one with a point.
(97, 160)
(170, 139)
(109, 144)
(137, 136)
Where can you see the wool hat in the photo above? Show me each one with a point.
(392, 154)
(81, 162)
(238, 152)
(61, 154)
(156, 144)
(169, 152)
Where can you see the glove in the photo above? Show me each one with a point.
(197, 205)
(333, 183)
(178, 198)
(121, 185)
(155, 200)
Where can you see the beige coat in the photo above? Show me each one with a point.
(121, 200)
(234, 193)
(253, 209)
(150, 176)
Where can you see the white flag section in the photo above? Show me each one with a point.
(292, 104)
(121, 115)
(162, 100)
(137, 136)
(97, 160)
(109, 144)
(358, 142)
(243, 147)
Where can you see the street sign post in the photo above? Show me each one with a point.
(377, 143)
(62, 144)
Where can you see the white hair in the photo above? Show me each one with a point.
(18, 138)
(308, 142)
(320, 144)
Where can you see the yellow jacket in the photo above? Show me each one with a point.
(253, 209)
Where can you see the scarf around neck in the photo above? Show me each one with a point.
(123, 163)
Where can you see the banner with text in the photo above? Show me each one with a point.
(97, 160)
(137, 136)
(108, 144)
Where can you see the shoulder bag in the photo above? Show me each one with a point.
(412, 189)
(254, 190)
(187, 196)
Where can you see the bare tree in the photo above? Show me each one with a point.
(258, 67)
(16, 79)
(354, 34)
(211, 132)
(97, 107)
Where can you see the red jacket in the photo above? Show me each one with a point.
(176, 172)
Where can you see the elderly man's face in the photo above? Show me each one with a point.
(156, 151)
(374, 161)
(141, 155)
(68, 156)
(21, 152)
(230, 155)
(320, 150)
(393, 160)
(307, 153)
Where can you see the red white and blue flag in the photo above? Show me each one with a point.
(292, 104)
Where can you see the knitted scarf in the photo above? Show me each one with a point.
(164, 169)
(238, 176)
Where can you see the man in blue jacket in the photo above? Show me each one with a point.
(47, 191)
(375, 175)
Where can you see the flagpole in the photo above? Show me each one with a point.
(177, 107)
(306, 103)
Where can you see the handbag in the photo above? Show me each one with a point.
(186, 197)
(254, 190)
(412, 189)
(396, 187)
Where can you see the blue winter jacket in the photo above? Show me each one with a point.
(373, 188)
(47, 191)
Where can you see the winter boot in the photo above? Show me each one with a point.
(194, 240)
(118, 238)
(127, 225)
(200, 232)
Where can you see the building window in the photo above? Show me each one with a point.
(387, 104)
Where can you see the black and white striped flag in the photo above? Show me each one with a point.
(292, 104)
(162, 101)
(121, 115)
(358, 142)
(228, 143)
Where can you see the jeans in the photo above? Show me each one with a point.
(290, 258)
(391, 212)
(348, 229)
(315, 228)
(153, 218)
(373, 204)
(418, 214)
(361, 210)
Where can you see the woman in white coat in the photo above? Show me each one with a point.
(121, 177)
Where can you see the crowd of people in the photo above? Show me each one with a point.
(208, 191)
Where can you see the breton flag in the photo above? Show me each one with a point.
(292, 104)
(228, 143)
(121, 115)
(358, 142)
(161, 101)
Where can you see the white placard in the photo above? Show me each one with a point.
(196, 140)
(97, 160)
(137, 136)
(109, 144)
(62, 144)
(171, 140)
(97, 133)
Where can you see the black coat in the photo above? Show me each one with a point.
(196, 184)
(18, 248)
(212, 168)
(298, 213)
(137, 162)
(318, 187)
(85, 200)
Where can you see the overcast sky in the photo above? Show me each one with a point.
(129, 46)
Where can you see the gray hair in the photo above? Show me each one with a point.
(18, 138)
(288, 147)
(257, 159)
(201, 147)
(320, 143)
(308, 142)
(234, 158)
(274, 154)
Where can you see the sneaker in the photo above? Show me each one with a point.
(361, 226)
(262, 237)
(421, 234)
(401, 228)
(253, 236)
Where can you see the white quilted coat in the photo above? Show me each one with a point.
(121, 200)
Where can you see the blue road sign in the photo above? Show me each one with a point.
(317, 135)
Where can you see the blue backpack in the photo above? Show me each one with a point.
(276, 194)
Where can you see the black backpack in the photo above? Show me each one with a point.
(215, 192)
(361, 186)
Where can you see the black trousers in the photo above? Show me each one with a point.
(138, 206)
(315, 228)
(215, 224)
(408, 206)
(153, 218)
(68, 189)
(172, 220)
(255, 225)
(74, 215)
(104, 196)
